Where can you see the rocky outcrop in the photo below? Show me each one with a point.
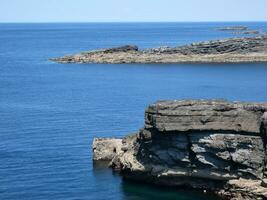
(243, 189)
(251, 32)
(125, 48)
(233, 28)
(251, 49)
(203, 116)
(218, 146)
(240, 30)
(105, 149)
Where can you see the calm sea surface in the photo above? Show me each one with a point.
(50, 113)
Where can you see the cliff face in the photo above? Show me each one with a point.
(213, 145)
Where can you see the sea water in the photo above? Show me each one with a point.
(50, 113)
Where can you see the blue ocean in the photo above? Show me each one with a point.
(51, 112)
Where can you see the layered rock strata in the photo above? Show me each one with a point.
(251, 49)
(217, 146)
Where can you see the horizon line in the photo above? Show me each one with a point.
(46, 22)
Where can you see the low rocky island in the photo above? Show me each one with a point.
(233, 28)
(233, 50)
(240, 30)
(251, 32)
(212, 145)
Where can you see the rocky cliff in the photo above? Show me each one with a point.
(250, 49)
(217, 146)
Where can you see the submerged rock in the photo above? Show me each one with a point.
(217, 146)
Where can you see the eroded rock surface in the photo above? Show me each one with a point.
(218, 146)
(203, 116)
(105, 149)
(244, 189)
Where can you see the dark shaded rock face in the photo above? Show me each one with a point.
(214, 145)
(125, 48)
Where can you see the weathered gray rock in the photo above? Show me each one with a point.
(264, 182)
(218, 146)
(105, 149)
(125, 48)
(234, 45)
(264, 132)
(264, 122)
(240, 155)
(244, 189)
(203, 116)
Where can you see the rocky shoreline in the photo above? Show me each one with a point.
(233, 50)
(212, 145)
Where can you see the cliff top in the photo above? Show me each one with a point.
(206, 115)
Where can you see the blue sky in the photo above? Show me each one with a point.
(131, 10)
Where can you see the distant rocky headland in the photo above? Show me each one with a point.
(233, 50)
(212, 145)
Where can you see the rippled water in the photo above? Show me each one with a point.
(51, 112)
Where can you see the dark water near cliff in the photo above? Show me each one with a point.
(51, 112)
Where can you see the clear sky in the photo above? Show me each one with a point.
(131, 10)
